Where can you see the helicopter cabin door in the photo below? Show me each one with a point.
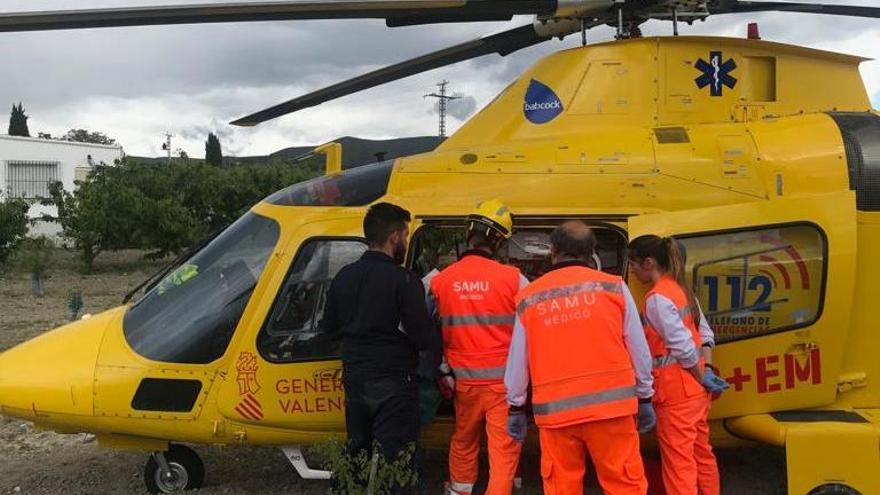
(775, 279)
(289, 374)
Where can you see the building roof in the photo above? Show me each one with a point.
(7, 137)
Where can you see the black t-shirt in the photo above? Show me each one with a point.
(379, 309)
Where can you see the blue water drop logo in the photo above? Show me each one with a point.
(541, 105)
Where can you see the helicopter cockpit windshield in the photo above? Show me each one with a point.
(191, 314)
(357, 186)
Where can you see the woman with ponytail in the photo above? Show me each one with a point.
(680, 341)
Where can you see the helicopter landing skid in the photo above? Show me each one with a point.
(296, 458)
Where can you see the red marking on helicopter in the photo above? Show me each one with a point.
(738, 379)
(775, 373)
(779, 266)
(322, 393)
(296, 386)
(811, 370)
(795, 256)
(312, 405)
(767, 371)
(247, 367)
(250, 408)
(246, 376)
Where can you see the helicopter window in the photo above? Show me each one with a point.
(439, 243)
(293, 331)
(354, 187)
(756, 282)
(191, 314)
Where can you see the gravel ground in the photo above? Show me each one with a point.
(44, 463)
(41, 463)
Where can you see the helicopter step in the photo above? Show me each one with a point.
(828, 452)
(175, 470)
(295, 456)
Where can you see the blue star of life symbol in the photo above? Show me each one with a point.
(716, 75)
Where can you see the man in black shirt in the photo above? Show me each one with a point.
(379, 309)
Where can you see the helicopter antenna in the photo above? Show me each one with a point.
(583, 32)
(444, 99)
(674, 21)
(620, 23)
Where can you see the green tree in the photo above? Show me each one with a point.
(100, 215)
(85, 136)
(213, 151)
(13, 226)
(18, 122)
(163, 208)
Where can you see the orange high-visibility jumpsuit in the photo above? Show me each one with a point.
(475, 301)
(682, 404)
(584, 348)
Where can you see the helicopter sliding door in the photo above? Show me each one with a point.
(289, 374)
(775, 279)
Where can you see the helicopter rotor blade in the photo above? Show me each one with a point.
(734, 6)
(502, 43)
(446, 10)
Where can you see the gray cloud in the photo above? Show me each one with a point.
(462, 107)
(137, 83)
(225, 133)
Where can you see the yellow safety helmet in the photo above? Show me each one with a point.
(491, 216)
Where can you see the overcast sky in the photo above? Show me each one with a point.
(137, 83)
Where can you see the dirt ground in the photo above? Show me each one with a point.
(39, 463)
(23, 316)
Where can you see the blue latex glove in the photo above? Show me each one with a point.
(713, 383)
(517, 425)
(647, 418)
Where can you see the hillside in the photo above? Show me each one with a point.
(355, 151)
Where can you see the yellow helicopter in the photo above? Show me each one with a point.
(762, 158)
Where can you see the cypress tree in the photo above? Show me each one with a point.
(213, 152)
(18, 122)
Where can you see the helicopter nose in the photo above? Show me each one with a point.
(53, 374)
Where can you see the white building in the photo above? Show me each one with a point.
(28, 165)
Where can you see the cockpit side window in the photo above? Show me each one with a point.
(191, 314)
(438, 243)
(354, 187)
(293, 331)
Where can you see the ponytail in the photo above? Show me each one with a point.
(670, 257)
(676, 269)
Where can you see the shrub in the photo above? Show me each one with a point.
(363, 473)
(35, 256)
(13, 226)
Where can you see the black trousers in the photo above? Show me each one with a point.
(382, 408)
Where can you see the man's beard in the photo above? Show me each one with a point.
(400, 252)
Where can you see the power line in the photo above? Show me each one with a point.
(443, 100)
(167, 145)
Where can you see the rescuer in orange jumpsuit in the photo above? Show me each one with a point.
(680, 341)
(579, 341)
(474, 298)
